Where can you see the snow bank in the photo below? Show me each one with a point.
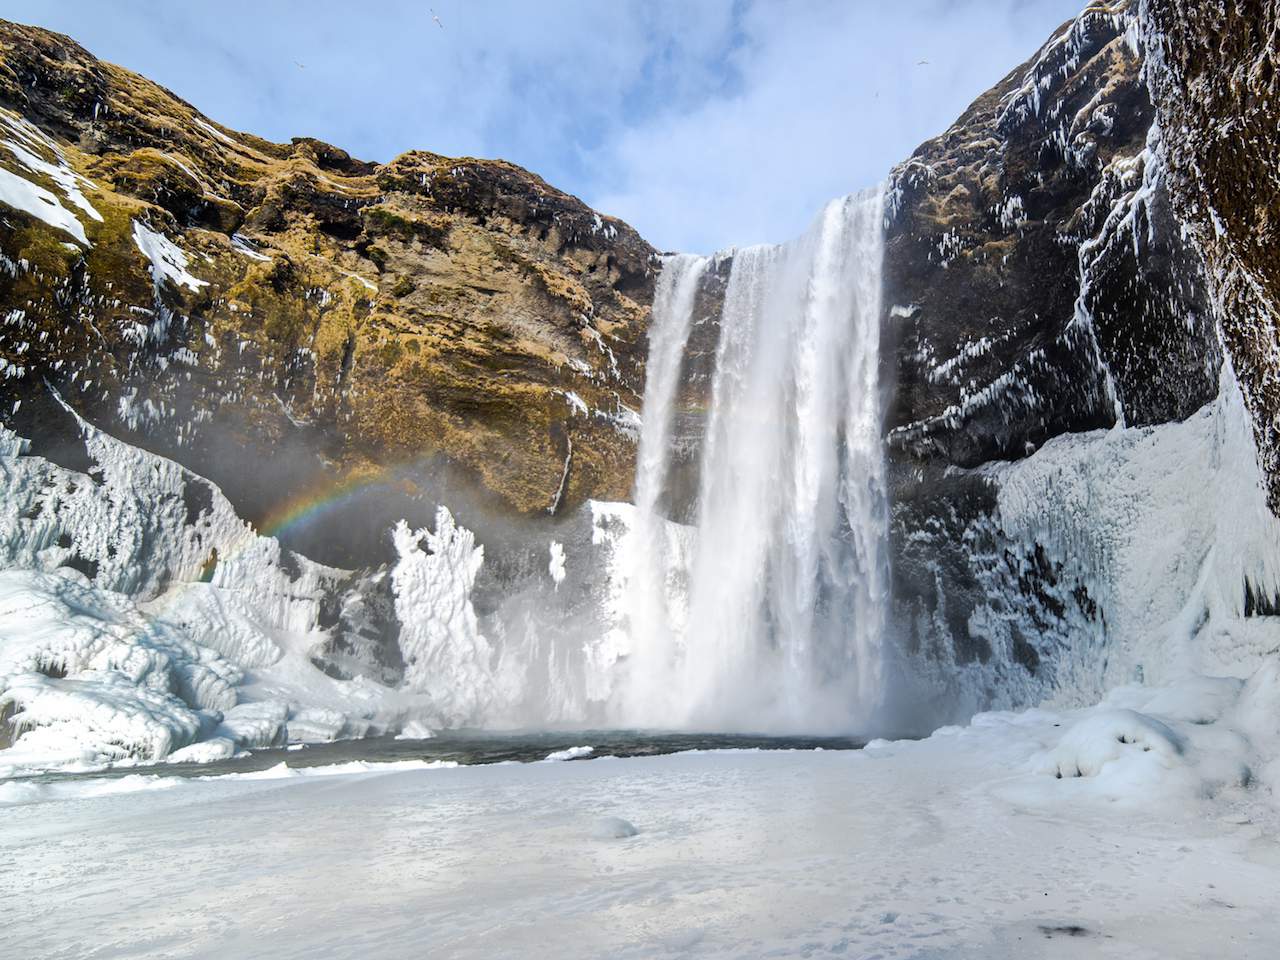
(1157, 746)
(24, 792)
(282, 771)
(1111, 735)
(571, 753)
(613, 828)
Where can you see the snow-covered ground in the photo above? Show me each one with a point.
(963, 845)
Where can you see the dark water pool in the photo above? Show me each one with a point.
(473, 747)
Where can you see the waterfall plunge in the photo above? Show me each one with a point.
(775, 620)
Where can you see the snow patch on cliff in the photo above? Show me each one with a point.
(168, 261)
(26, 143)
(22, 194)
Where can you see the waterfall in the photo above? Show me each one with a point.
(650, 619)
(785, 592)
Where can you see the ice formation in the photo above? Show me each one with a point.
(139, 616)
(1167, 529)
(446, 657)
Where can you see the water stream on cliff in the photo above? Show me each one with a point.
(774, 621)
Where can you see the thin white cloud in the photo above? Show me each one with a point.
(834, 95)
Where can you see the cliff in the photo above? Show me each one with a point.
(1212, 70)
(411, 328)
(1038, 283)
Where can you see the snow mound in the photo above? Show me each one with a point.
(1154, 745)
(1257, 715)
(613, 828)
(1257, 711)
(1112, 735)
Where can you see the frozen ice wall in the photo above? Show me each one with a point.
(1168, 529)
(140, 617)
(1120, 556)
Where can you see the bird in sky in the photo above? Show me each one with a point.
(300, 65)
(922, 63)
(436, 19)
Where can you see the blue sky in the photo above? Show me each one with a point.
(704, 123)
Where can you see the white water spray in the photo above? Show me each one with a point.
(650, 615)
(784, 598)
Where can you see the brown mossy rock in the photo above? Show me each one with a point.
(348, 318)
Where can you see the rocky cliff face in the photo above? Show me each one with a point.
(1038, 283)
(1212, 70)
(1075, 253)
(429, 327)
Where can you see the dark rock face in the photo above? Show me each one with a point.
(1212, 70)
(1037, 283)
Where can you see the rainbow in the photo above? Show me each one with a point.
(300, 509)
(291, 514)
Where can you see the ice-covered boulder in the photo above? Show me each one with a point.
(252, 725)
(100, 715)
(1110, 736)
(204, 751)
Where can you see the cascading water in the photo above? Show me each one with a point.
(782, 605)
(651, 618)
